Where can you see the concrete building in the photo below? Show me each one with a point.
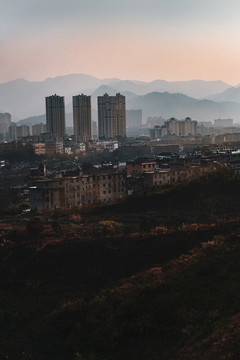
(174, 127)
(55, 115)
(186, 127)
(157, 132)
(111, 116)
(12, 131)
(140, 165)
(77, 191)
(5, 120)
(23, 131)
(40, 148)
(223, 123)
(82, 117)
(134, 118)
(38, 129)
(53, 147)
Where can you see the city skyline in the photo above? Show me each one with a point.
(143, 40)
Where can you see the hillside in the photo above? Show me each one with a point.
(153, 277)
(180, 106)
(230, 94)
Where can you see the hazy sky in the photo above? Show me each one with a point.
(134, 39)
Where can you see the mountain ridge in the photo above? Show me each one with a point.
(23, 98)
(167, 105)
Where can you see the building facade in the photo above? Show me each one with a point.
(38, 129)
(55, 115)
(82, 117)
(5, 120)
(134, 118)
(111, 116)
(77, 191)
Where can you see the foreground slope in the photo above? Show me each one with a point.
(83, 285)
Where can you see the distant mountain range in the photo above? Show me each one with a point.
(180, 106)
(230, 94)
(167, 105)
(24, 99)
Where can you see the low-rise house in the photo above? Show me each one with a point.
(141, 165)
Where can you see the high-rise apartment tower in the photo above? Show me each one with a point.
(82, 117)
(55, 115)
(5, 120)
(111, 116)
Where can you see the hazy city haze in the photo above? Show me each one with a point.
(133, 39)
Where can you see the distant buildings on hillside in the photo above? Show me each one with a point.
(221, 123)
(115, 123)
(186, 127)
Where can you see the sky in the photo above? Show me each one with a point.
(128, 39)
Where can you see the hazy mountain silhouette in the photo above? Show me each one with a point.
(231, 94)
(23, 98)
(168, 105)
(32, 120)
(193, 88)
(180, 106)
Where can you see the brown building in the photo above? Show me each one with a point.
(53, 147)
(140, 165)
(77, 191)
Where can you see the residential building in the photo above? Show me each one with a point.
(55, 115)
(174, 127)
(111, 116)
(53, 147)
(134, 118)
(82, 117)
(5, 120)
(12, 131)
(40, 148)
(22, 131)
(140, 165)
(78, 190)
(38, 129)
(223, 123)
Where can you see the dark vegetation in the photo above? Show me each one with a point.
(16, 151)
(153, 277)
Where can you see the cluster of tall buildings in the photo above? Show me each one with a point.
(111, 116)
(16, 132)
